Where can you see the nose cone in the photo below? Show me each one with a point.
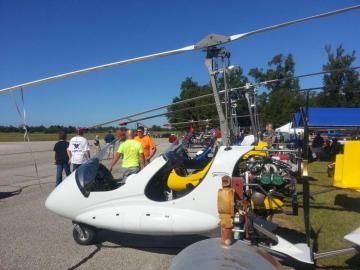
(63, 199)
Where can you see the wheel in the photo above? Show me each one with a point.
(83, 234)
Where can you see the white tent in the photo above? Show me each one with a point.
(287, 128)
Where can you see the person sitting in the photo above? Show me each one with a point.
(317, 145)
(269, 135)
(326, 151)
(335, 149)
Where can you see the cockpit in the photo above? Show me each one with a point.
(176, 178)
(94, 176)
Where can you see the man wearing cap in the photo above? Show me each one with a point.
(121, 134)
(78, 150)
(147, 144)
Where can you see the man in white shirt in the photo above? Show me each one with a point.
(79, 150)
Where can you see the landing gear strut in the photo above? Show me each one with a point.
(84, 234)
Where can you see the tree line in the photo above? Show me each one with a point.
(49, 130)
(68, 129)
(277, 100)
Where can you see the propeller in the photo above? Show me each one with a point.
(209, 41)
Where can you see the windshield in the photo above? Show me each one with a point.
(85, 175)
(103, 152)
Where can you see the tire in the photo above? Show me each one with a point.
(83, 234)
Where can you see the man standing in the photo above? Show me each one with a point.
(109, 138)
(121, 134)
(61, 158)
(147, 144)
(132, 155)
(78, 150)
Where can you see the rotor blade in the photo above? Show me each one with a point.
(191, 121)
(211, 40)
(90, 69)
(280, 25)
(163, 114)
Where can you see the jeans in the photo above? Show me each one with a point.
(59, 170)
(75, 166)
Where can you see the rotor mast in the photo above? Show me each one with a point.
(215, 58)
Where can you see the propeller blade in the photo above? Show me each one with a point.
(285, 24)
(209, 41)
(90, 69)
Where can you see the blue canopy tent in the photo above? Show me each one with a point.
(329, 118)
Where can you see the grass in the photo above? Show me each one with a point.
(332, 215)
(39, 136)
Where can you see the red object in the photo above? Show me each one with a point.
(217, 133)
(281, 157)
(82, 130)
(192, 130)
(172, 138)
(237, 183)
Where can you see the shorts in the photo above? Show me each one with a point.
(129, 171)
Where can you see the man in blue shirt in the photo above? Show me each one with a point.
(61, 158)
(109, 138)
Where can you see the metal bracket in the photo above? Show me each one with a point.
(211, 40)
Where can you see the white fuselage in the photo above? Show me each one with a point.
(128, 209)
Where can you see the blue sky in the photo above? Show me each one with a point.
(44, 38)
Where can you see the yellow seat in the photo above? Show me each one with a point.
(178, 183)
(257, 150)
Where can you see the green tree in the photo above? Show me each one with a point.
(190, 89)
(341, 88)
(237, 79)
(280, 98)
(200, 109)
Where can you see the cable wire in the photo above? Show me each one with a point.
(246, 87)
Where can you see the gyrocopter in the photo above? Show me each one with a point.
(162, 200)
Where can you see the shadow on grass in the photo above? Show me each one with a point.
(300, 180)
(348, 203)
(351, 263)
(291, 235)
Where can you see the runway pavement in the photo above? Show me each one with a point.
(33, 238)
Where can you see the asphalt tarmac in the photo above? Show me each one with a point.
(33, 238)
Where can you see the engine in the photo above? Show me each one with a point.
(269, 183)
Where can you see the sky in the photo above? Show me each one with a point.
(45, 38)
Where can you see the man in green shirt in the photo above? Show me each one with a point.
(132, 155)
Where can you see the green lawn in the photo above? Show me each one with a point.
(38, 136)
(333, 215)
